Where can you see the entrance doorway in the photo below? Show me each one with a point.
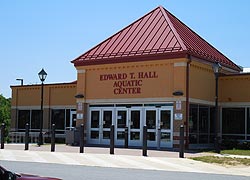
(132, 119)
(100, 122)
(72, 119)
(158, 120)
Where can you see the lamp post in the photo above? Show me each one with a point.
(216, 68)
(42, 76)
(20, 80)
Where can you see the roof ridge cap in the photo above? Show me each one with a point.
(163, 10)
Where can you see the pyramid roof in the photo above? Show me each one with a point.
(156, 35)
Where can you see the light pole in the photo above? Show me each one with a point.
(20, 80)
(42, 75)
(216, 68)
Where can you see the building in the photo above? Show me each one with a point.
(155, 72)
(59, 108)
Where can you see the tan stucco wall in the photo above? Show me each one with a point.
(54, 95)
(234, 88)
(150, 79)
(202, 82)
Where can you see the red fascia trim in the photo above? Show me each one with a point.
(213, 60)
(236, 74)
(182, 54)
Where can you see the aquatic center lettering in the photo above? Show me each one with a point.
(128, 83)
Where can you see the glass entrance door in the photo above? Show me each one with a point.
(121, 123)
(100, 122)
(151, 122)
(135, 127)
(166, 126)
(158, 120)
(94, 135)
(159, 123)
(72, 119)
(107, 116)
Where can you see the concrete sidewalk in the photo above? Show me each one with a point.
(123, 158)
(103, 150)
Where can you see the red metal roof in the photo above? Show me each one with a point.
(157, 35)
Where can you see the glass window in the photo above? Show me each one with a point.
(151, 119)
(212, 119)
(203, 124)
(58, 118)
(165, 119)
(200, 124)
(95, 119)
(94, 135)
(233, 120)
(107, 119)
(193, 124)
(212, 124)
(134, 135)
(165, 136)
(23, 118)
(121, 119)
(193, 119)
(248, 120)
(203, 119)
(67, 117)
(151, 136)
(120, 135)
(135, 119)
(106, 134)
(35, 119)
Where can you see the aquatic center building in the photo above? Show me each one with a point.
(155, 72)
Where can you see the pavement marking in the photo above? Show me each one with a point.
(167, 164)
(135, 162)
(35, 156)
(8, 155)
(65, 159)
(99, 160)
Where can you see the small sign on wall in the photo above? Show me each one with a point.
(178, 116)
(178, 105)
(79, 106)
(79, 116)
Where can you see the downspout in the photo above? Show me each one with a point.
(187, 100)
(49, 109)
(16, 121)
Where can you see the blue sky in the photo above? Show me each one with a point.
(50, 33)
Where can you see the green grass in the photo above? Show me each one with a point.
(227, 160)
(223, 160)
(236, 152)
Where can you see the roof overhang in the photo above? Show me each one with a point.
(138, 58)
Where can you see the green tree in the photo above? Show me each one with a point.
(5, 109)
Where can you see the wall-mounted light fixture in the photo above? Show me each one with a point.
(178, 93)
(79, 96)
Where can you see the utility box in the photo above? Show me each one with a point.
(72, 136)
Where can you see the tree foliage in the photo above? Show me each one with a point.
(5, 110)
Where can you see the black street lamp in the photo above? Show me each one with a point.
(216, 68)
(42, 75)
(21, 80)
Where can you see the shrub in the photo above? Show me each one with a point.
(244, 145)
(234, 144)
(229, 144)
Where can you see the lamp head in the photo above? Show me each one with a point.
(42, 75)
(216, 67)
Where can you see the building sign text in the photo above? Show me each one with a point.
(128, 83)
